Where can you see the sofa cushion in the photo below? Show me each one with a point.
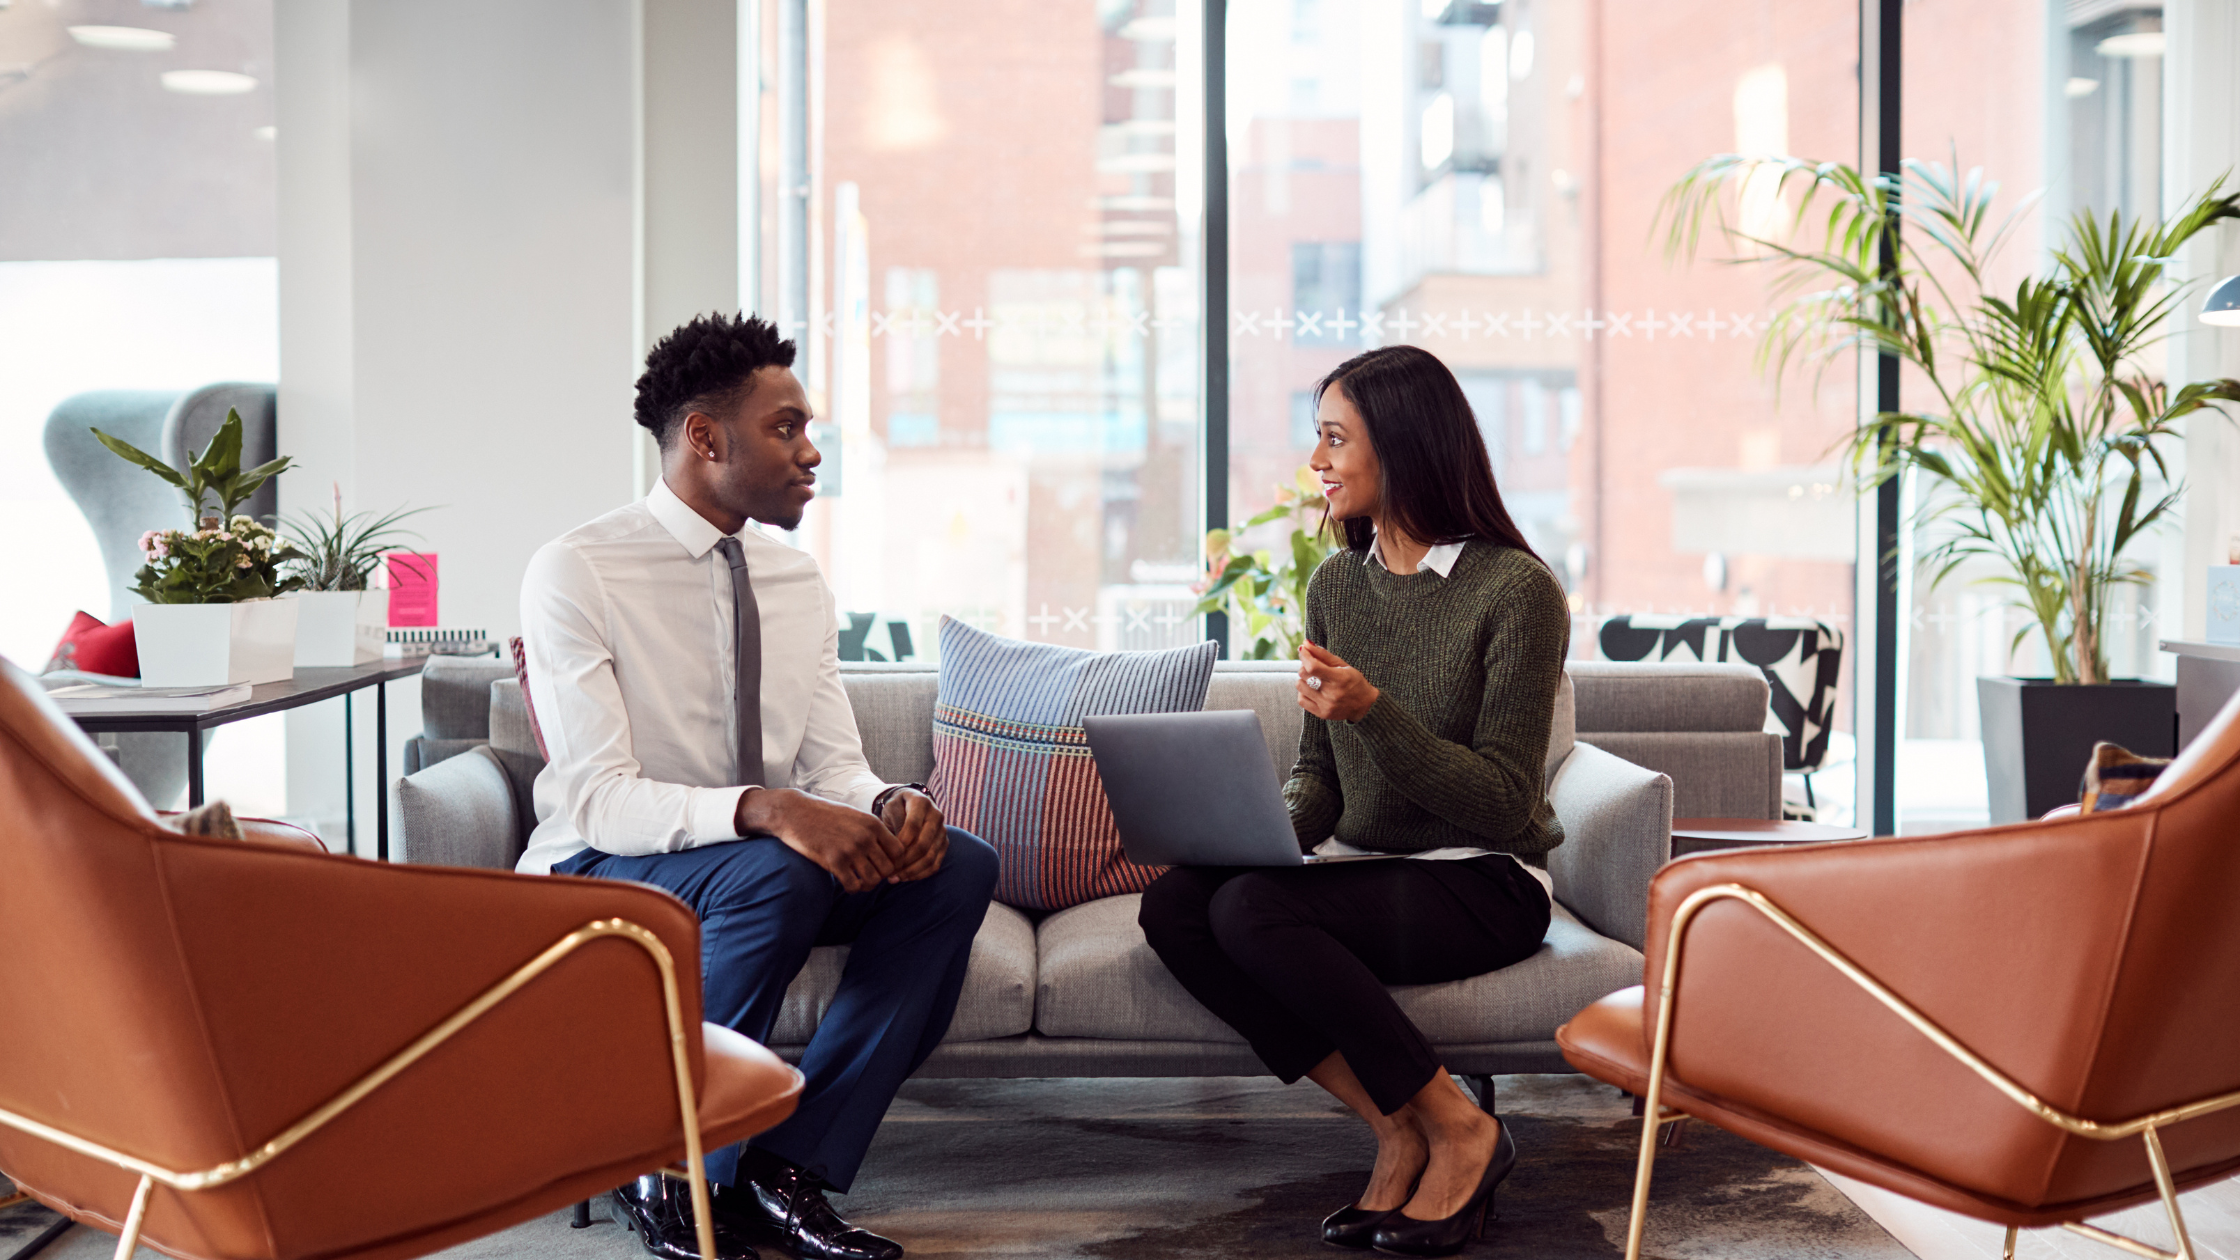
(1099, 978)
(998, 997)
(1645, 696)
(1012, 764)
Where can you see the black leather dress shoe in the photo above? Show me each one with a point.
(659, 1211)
(1404, 1235)
(777, 1203)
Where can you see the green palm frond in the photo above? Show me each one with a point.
(2045, 428)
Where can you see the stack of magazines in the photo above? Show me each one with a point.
(77, 697)
(412, 642)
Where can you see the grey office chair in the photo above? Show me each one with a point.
(121, 502)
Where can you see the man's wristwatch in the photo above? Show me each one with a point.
(879, 802)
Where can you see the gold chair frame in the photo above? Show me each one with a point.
(350, 1096)
(1654, 1117)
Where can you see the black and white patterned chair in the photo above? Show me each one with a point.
(1801, 658)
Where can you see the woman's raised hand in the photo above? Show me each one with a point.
(1331, 689)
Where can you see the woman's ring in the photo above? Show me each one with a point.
(1314, 682)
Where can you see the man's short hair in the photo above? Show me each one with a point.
(706, 365)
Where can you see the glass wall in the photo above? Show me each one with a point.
(2062, 104)
(1482, 179)
(1000, 315)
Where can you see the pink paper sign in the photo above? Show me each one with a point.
(412, 588)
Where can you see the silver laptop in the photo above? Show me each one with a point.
(1195, 789)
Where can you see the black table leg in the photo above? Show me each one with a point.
(349, 781)
(194, 769)
(381, 770)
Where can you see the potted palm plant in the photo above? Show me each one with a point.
(2041, 422)
(344, 616)
(213, 613)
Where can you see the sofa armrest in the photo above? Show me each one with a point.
(459, 812)
(1617, 830)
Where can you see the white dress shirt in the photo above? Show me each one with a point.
(627, 622)
(1439, 559)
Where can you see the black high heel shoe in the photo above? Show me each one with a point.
(1404, 1235)
(1354, 1227)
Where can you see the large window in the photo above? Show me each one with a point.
(137, 234)
(2074, 116)
(1481, 179)
(1000, 312)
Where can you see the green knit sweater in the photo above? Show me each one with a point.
(1467, 667)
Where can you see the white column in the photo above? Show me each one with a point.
(486, 211)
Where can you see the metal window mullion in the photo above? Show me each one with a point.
(1882, 58)
(1213, 313)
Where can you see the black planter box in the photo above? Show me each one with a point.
(2038, 735)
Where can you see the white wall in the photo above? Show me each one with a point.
(481, 207)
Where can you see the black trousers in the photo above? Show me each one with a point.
(1297, 958)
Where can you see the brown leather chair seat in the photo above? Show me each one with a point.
(182, 1002)
(1996, 1022)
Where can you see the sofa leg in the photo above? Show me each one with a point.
(1482, 1085)
(582, 1219)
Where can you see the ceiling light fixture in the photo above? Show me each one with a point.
(207, 82)
(123, 38)
(2135, 44)
(2222, 308)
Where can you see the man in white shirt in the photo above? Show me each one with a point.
(684, 671)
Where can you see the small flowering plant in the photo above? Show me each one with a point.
(219, 562)
(218, 559)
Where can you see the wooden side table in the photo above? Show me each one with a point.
(1702, 835)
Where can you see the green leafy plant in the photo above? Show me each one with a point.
(221, 558)
(340, 554)
(214, 474)
(1265, 591)
(2041, 441)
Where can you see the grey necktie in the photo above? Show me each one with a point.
(746, 638)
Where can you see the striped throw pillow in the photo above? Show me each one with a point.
(1012, 764)
(2116, 777)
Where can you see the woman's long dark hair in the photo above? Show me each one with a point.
(1434, 478)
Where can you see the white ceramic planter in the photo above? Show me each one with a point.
(210, 645)
(340, 627)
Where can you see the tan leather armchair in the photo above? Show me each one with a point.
(251, 1050)
(2031, 1024)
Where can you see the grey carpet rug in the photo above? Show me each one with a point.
(1243, 1168)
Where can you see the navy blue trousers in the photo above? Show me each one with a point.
(762, 907)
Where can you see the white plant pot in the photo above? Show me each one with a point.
(340, 627)
(211, 645)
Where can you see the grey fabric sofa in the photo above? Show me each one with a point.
(1079, 993)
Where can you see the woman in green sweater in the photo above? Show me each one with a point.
(1436, 647)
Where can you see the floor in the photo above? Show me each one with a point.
(1239, 1168)
(2212, 1220)
(1243, 1168)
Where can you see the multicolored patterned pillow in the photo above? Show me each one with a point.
(1012, 765)
(2116, 777)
